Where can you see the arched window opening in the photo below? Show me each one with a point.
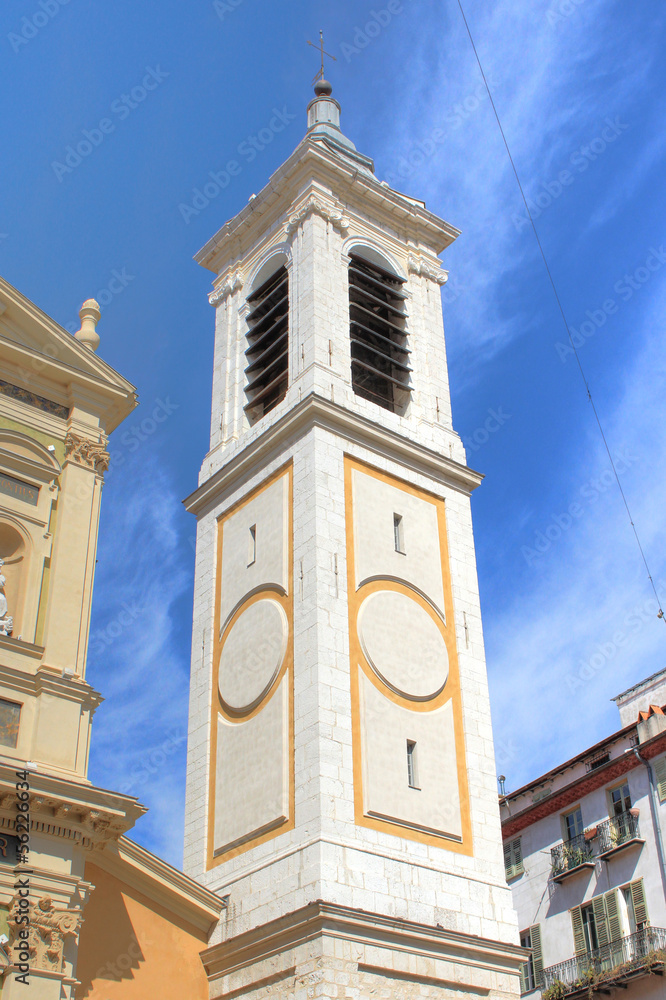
(377, 320)
(267, 353)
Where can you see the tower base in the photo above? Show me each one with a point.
(335, 952)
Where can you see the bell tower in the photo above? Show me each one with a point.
(341, 784)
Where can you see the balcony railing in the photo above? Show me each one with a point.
(570, 855)
(614, 833)
(639, 953)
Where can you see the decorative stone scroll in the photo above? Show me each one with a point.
(420, 267)
(233, 281)
(313, 205)
(92, 454)
(47, 931)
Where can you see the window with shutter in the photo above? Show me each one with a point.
(527, 968)
(638, 899)
(660, 778)
(613, 915)
(513, 858)
(267, 352)
(600, 922)
(379, 353)
(580, 947)
(537, 955)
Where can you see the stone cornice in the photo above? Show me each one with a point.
(68, 809)
(316, 411)
(51, 681)
(376, 931)
(165, 885)
(581, 786)
(113, 399)
(312, 160)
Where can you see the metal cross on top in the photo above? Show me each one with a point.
(320, 74)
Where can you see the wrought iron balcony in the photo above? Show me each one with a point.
(570, 856)
(618, 832)
(628, 958)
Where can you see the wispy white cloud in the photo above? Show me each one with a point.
(137, 659)
(554, 85)
(581, 624)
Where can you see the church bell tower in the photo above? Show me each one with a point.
(341, 790)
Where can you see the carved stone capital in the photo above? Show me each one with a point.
(426, 270)
(92, 454)
(232, 281)
(48, 930)
(315, 206)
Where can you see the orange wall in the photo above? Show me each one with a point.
(133, 948)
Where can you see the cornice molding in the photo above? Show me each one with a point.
(66, 809)
(315, 206)
(317, 411)
(312, 162)
(376, 931)
(231, 282)
(583, 785)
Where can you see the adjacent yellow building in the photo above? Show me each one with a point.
(89, 913)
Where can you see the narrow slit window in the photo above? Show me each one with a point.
(398, 534)
(380, 367)
(267, 352)
(411, 764)
(252, 546)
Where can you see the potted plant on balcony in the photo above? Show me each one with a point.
(556, 991)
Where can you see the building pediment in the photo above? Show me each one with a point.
(45, 365)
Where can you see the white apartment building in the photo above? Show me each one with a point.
(584, 856)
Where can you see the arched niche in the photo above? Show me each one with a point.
(14, 552)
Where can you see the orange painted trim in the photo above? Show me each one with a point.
(358, 663)
(286, 601)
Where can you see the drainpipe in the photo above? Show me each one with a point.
(655, 816)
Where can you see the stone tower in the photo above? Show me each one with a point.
(341, 786)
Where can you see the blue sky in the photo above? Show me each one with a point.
(579, 86)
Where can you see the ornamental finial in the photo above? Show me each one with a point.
(90, 316)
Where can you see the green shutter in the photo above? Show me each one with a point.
(613, 914)
(537, 955)
(578, 932)
(600, 921)
(513, 858)
(660, 777)
(523, 977)
(638, 898)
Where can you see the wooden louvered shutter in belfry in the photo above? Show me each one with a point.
(578, 932)
(660, 778)
(537, 954)
(638, 899)
(600, 922)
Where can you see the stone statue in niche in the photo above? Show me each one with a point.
(6, 620)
